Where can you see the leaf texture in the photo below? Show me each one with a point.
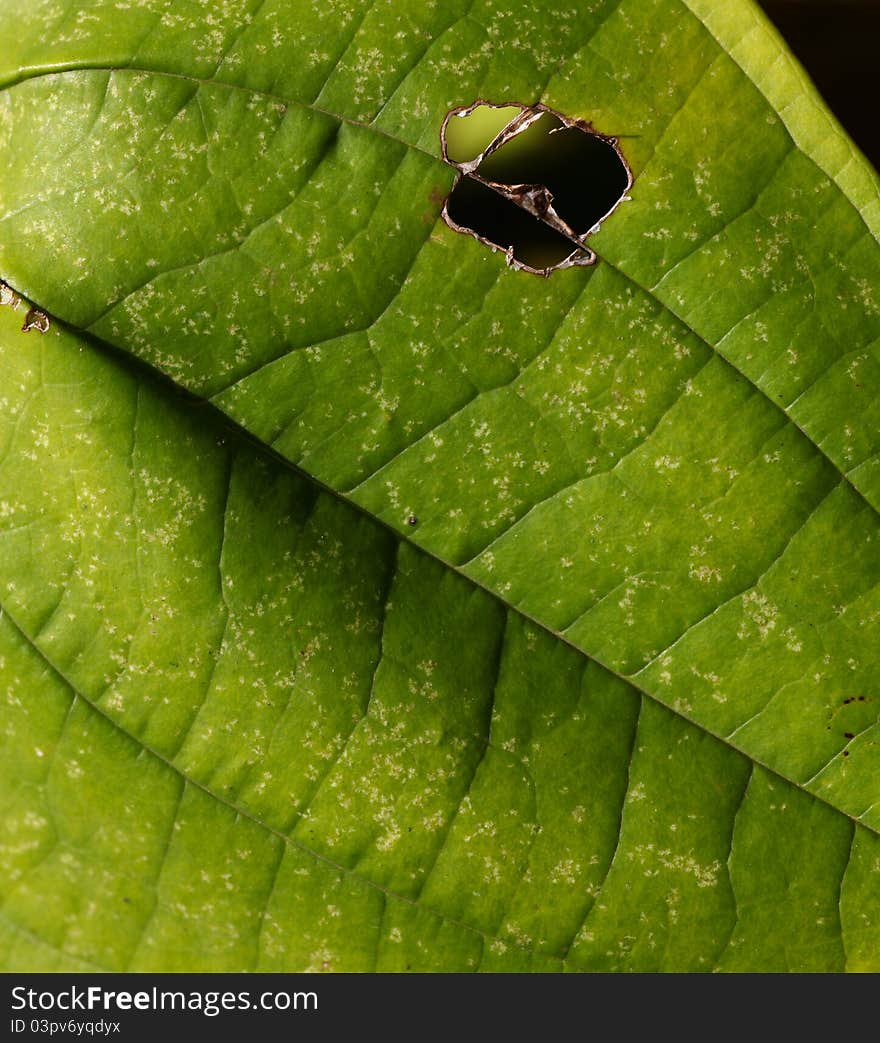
(646, 494)
(254, 731)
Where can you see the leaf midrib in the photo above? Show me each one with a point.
(139, 365)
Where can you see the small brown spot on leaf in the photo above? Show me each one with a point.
(35, 320)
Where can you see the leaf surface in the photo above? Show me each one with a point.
(667, 463)
(246, 728)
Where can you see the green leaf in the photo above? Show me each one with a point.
(667, 464)
(245, 728)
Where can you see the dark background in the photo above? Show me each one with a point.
(838, 43)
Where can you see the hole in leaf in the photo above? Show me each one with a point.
(585, 174)
(538, 188)
(502, 223)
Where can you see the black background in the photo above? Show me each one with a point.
(838, 43)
